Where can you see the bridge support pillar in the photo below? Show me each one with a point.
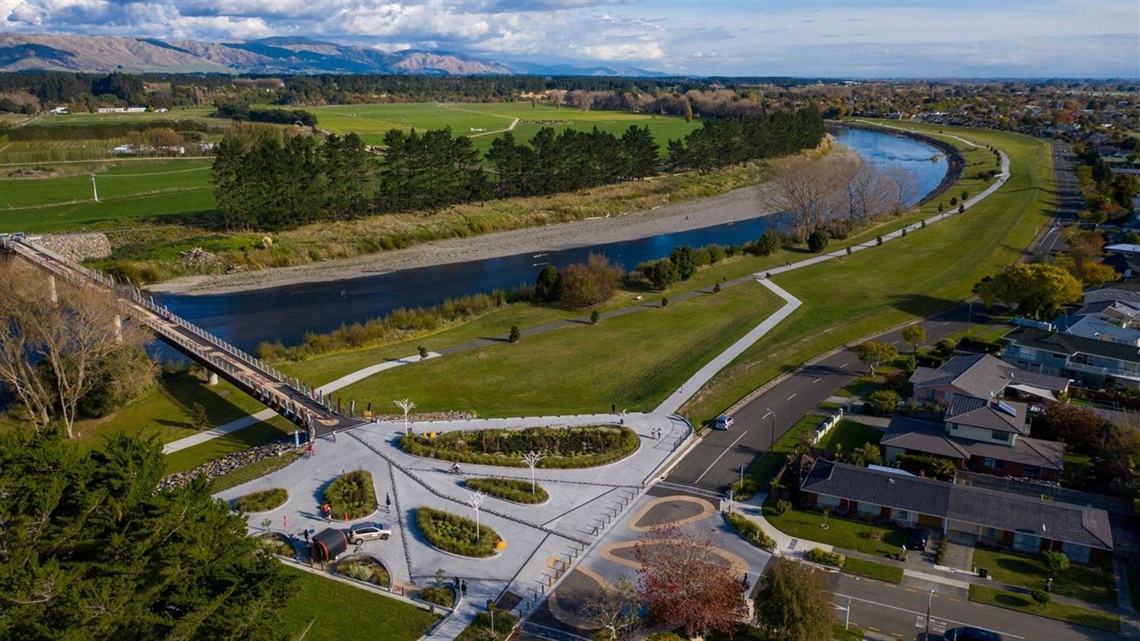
(53, 292)
(213, 379)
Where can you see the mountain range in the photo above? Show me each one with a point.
(293, 55)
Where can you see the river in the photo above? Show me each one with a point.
(288, 312)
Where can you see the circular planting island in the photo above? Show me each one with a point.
(277, 543)
(261, 501)
(513, 490)
(561, 447)
(456, 534)
(364, 568)
(352, 496)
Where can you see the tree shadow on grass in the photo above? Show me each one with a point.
(921, 304)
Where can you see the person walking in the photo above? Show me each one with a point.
(388, 501)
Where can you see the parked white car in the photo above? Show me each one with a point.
(368, 532)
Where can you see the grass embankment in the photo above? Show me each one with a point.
(862, 567)
(634, 361)
(562, 447)
(750, 531)
(261, 501)
(363, 568)
(1078, 582)
(769, 463)
(513, 490)
(841, 533)
(1053, 610)
(924, 272)
(351, 496)
(456, 534)
(325, 610)
(254, 471)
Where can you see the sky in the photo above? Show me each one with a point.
(807, 38)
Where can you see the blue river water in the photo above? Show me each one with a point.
(288, 312)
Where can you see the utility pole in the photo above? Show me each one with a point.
(929, 600)
(94, 189)
(772, 434)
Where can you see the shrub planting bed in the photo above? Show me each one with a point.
(456, 534)
(439, 595)
(750, 531)
(818, 555)
(276, 543)
(352, 494)
(261, 501)
(564, 447)
(365, 568)
(513, 490)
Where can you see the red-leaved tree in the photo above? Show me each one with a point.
(683, 581)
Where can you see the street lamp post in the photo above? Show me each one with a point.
(847, 621)
(772, 434)
(929, 600)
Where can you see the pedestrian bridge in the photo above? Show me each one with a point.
(289, 397)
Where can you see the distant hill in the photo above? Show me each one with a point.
(278, 55)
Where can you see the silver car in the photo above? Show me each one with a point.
(368, 532)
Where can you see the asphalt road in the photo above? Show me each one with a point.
(1068, 198)
(716, 461)
(899, 611)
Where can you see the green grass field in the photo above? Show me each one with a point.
(926, 271)
(634, 361)
(888, 573)
(1054, 610)
(371, 122)
(841, 533)
(322, 609)
(1078, 582)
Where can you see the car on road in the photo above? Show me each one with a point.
(917, 539)
(722, 422)
(966, 633)
(368, 532)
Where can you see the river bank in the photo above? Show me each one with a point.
(734, 206)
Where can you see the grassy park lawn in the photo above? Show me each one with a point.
(1053, 610)
(850, 435)
(633, 361)
(924, 272)
(841, 533)
(1078, 582)
(888, 573)
(322, 609)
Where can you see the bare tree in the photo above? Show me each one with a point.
(475, 500)
(904, 187)
(813, 191)
(531, 459)
(407, 406)
(868, 194)
(613, 610)
(54, 354)
(557, 97)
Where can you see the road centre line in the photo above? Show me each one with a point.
(719, 457)
(817, 380)
(923, 614)
(792, 396)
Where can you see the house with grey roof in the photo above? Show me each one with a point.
(982, 376)
(963, 513)
(1099, 327)
(1076, 357)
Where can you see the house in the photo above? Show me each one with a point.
(1076, 357)
(1099, 326)
(1124, 249)
(982, 376)
(1013, 454)
(962, 512)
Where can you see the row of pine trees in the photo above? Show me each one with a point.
(263, 180)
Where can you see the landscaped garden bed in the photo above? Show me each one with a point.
(261, 501)
(277, 543)
(352, 496)
(480, 628)
(364, 568)
(456, 534)
(750, 531)
(438, 594)
(513, 490)
(563, 447)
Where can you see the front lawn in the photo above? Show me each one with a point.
(841, 533)
(1053, 610)
(1078, 582)
(888, 573)
(850, 435)
(355, 614)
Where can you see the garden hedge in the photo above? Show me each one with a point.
(352, 494)
(564, 447)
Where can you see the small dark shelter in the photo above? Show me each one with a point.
(328, 544)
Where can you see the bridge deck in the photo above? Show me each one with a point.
(285, 395)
